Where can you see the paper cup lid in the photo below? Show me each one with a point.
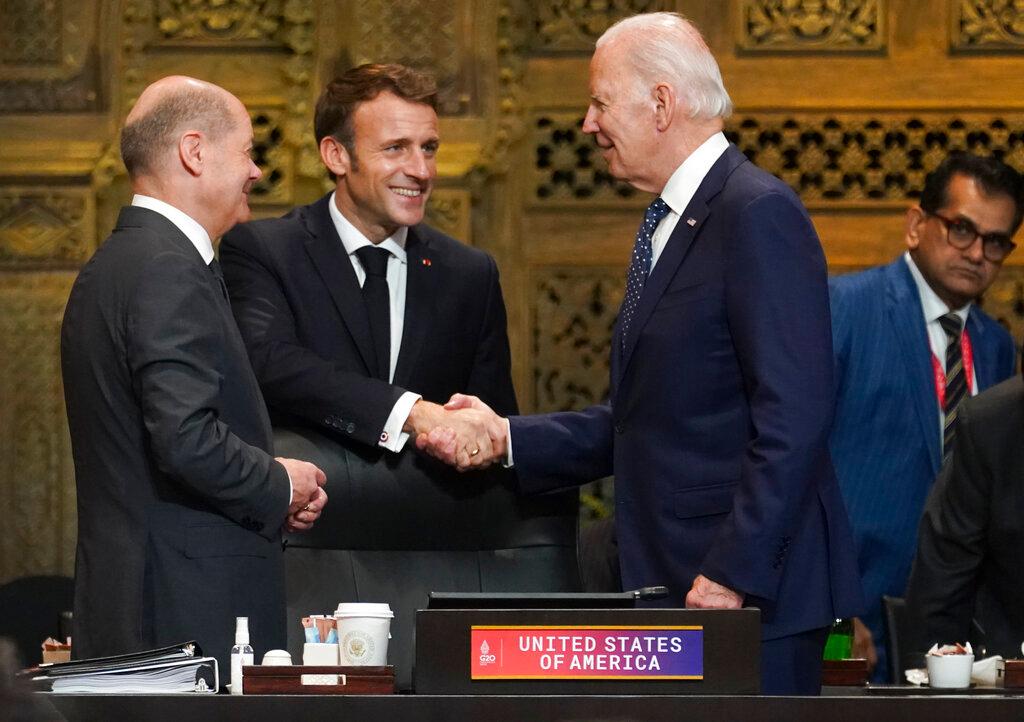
(364, 609)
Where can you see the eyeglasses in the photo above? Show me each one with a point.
(962, 234)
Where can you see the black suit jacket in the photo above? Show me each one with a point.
(969, 562)
(179, 502)
(397, 525)
(300, 309)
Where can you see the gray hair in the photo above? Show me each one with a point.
(668, 48)
(144, 140)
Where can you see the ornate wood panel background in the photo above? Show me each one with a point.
(849, 101)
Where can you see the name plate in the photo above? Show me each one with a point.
(587, 652)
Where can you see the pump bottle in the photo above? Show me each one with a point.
(241, 653)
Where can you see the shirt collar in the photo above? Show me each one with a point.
(353, 239)
(686, 179)
(934, 307)
(184, 222)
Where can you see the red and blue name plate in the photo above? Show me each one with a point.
(587, 652)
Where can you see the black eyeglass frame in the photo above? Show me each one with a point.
(999, 241)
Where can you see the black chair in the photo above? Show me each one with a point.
(397, 527)
(30, 611)
(599, 556)
(894, 617)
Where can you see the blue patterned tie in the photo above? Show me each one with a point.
(640, 265)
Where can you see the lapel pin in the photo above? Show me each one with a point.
(691, 221)
(425, 261)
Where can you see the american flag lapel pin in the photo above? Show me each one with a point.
(691, 222)
(425, 261)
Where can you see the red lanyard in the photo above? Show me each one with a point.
(940, 375)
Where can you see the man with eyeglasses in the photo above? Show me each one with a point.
(911, 344)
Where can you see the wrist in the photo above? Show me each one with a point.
(423, 417)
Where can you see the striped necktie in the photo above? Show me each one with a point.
(640, 265)
(956, 380)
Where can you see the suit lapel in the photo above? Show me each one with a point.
(332, 263)
(907, 319)
(985, 361)
(675, 250)
(422, 271)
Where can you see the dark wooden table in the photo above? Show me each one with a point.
(861, 707)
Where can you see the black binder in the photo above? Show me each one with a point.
(177, 668)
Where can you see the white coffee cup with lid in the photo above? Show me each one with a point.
(363, 633)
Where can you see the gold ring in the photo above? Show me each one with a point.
(306, 508)
(474, 452)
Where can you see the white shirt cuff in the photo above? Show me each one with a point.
(392, 437)
(508, 444)
(291, 487)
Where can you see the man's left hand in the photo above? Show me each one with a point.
(706, 594)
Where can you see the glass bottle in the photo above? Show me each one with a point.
(839, 644)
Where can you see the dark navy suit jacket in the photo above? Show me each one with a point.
(719, 413)
(886, 441)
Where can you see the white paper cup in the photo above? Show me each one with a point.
(950, 671)
(363, 633)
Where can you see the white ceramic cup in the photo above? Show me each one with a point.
(950, 671)
(277, 658)
(363, 633)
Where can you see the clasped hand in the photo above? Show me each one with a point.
(308, 495)
(465, 432)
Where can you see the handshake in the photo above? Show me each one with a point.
(465, 432)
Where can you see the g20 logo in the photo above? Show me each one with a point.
(485, 655)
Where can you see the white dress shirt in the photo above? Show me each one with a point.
(678, 192)
(935, 308)
(201, 240)
(392, 437)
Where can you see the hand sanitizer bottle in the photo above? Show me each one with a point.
(241, 653)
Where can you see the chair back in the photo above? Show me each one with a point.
(894, 615)
(30, 611)
(398, 526)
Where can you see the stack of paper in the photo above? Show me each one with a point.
(175, 669)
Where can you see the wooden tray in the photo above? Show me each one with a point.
(844, 672)
(1013, 675)
(288, 680)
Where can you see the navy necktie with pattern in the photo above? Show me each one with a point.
(640, 264)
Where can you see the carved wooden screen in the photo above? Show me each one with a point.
(849, 101)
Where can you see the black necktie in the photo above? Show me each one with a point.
(640, 264)
(956, 380)
(215, 267)
(378, 304)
